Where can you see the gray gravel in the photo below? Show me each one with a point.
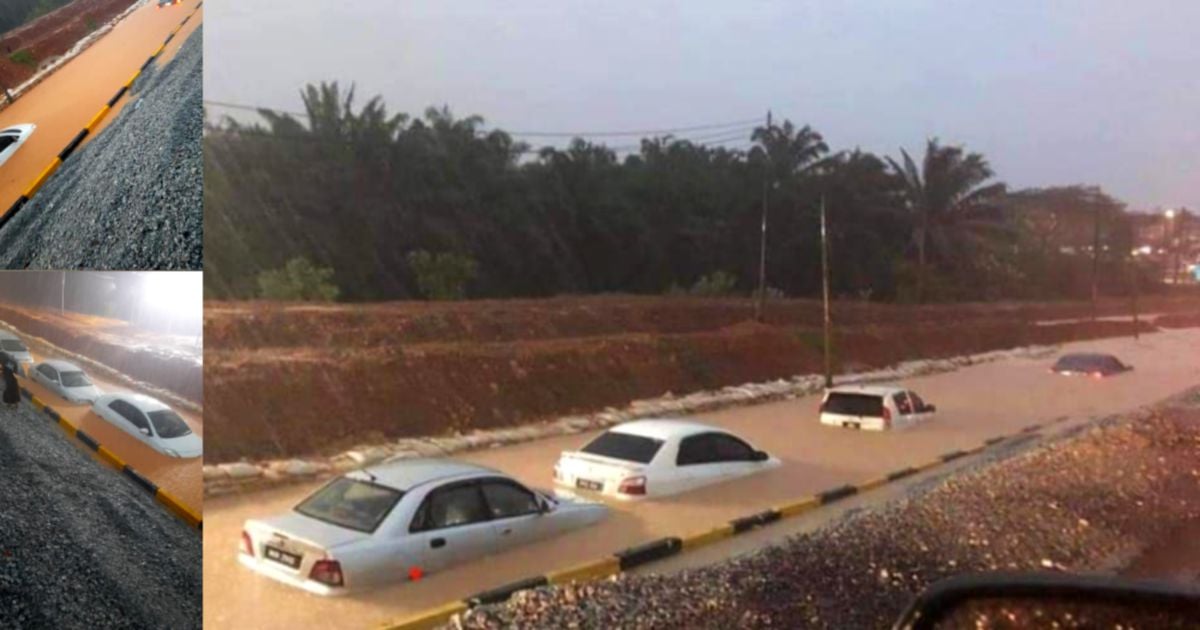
(131, 198)
(1089, 503)
(80, 545)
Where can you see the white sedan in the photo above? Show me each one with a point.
(15, 348)
(401, 520)
(150, 421)
(66, 380)
(12, 138)
(657, 458)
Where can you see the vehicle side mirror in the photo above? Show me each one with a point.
(545, 505)
(930, 408)
(1039, 600)
(144, 430)
(760, 456)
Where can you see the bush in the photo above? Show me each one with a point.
(715, 284)
(23, 57)
(298, 280)
(442, 276)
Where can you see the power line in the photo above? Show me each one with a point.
(748, 123)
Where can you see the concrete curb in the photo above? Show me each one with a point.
(164, 498)
(91, 126)
(649, 552)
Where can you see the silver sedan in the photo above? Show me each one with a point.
(66, 380)
(401, 520)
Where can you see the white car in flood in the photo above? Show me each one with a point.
(150, 421)
(401, 520)
(12, 138)
(15, 348)
(874, 408)
(66, 380)
(658, 458)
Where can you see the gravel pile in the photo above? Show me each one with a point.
(80, 545)
(1090, 503)
(131, 198)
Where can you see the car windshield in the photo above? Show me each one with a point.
(854, 404)
(351, 503)
(13, 345)
(630, 448)
(75, 379)
(168, 424)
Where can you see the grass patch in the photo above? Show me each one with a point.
(23, 57)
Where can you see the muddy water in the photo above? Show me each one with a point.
(66, 101)
(974, 403)
(181, 477)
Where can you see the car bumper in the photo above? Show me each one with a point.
(568, 489)
(279, 575)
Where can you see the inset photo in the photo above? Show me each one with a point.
(101, 449)
(100, 125)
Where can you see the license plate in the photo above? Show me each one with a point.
(852, 425)
(290, 560)
(585, 484)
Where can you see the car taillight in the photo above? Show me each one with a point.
(1097, 375)
(327, 572)
(633, 485)
(247, 544)
(887, 417)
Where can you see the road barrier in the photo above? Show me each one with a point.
(91, 127)
(650, 552)
(166, 499)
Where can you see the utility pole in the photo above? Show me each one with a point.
(762, 246)
(828, 345)
(1136, 324)
(1095, 260)
(62, 305)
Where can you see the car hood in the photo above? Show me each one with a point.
(305, 530)
(190, 445)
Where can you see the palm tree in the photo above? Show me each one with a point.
(949, 202)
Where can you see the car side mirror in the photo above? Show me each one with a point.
(144, 430)
(760, 456)
(545, 505)
(931, 408)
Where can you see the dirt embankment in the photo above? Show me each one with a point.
(1064, 507)
(290, 381)
(177, 374)
(52, 35)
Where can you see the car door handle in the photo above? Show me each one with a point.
(506, 531)
(437, 543)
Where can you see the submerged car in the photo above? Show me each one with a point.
(874, 407)
(1092, 364)
(12, 138)
(658, 458)
(150, 421)
(168, 3)
(66, 380)
(14, 347)
(401, 520)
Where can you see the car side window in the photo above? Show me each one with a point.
(450, 507)
(730, 449)
(695, 449)
(918, 404)
(903, 404)
(130, 413)
(506, 500)
(48, 372)
(7, 140)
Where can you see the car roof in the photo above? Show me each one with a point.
(406, 474)
(869, 390)
(4, 334)
(62, 366)
(664, 428)
(1086, 355)
(141, 401)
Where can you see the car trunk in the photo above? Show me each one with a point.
(293, 543)
(595, 473)
(855, 411)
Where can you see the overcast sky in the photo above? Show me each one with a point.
(1082, 91)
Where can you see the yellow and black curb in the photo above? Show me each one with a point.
(166, 499)
(91, 127)
(655, 550)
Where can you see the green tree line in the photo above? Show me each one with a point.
(378, 199)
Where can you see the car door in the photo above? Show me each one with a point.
(132, 421)
(453, 526)
(906, 411)
(47, 377)
(923, 410)
(516, 516)
(712, 457)
(9, 141)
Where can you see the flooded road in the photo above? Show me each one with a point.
(181, 477)
(64, 103)
(974, 404)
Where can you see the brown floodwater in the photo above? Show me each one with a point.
(974, 403)
(66, 101)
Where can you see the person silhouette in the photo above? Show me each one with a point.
(12, 391)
